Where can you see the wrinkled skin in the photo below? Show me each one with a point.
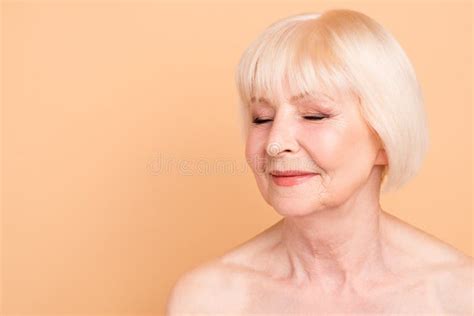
(335, 250)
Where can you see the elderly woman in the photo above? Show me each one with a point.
(332, 110)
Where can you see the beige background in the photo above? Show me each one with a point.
(98, 95)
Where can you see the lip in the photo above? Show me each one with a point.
(289, 173)
(291, 177)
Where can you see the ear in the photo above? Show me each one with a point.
(381, 158)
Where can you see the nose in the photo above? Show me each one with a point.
(282, 136)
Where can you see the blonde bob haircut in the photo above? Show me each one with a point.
(342, 51)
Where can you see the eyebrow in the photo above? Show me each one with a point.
(309, 98)
(297, 99)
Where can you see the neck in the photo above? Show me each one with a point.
(338, 247)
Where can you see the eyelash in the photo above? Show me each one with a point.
(258, 121)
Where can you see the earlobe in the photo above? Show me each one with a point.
(381, 157)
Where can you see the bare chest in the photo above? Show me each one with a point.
(411, 298)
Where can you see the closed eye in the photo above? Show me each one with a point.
(259, 121)
(314, 118)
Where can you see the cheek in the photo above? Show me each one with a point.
(327, 146)
(255, 151)
(336, 145)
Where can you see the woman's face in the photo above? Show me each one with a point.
(325, 136)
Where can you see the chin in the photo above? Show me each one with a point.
(289, 207)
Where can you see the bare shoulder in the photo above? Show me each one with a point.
(454, 287)
(422, 248)
(208, 288)
(222, 284)
(449, 270)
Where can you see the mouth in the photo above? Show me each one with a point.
(291, 177)
(290, 173)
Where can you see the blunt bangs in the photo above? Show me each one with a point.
(296, 58)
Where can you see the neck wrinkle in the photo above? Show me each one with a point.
(336, 249)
